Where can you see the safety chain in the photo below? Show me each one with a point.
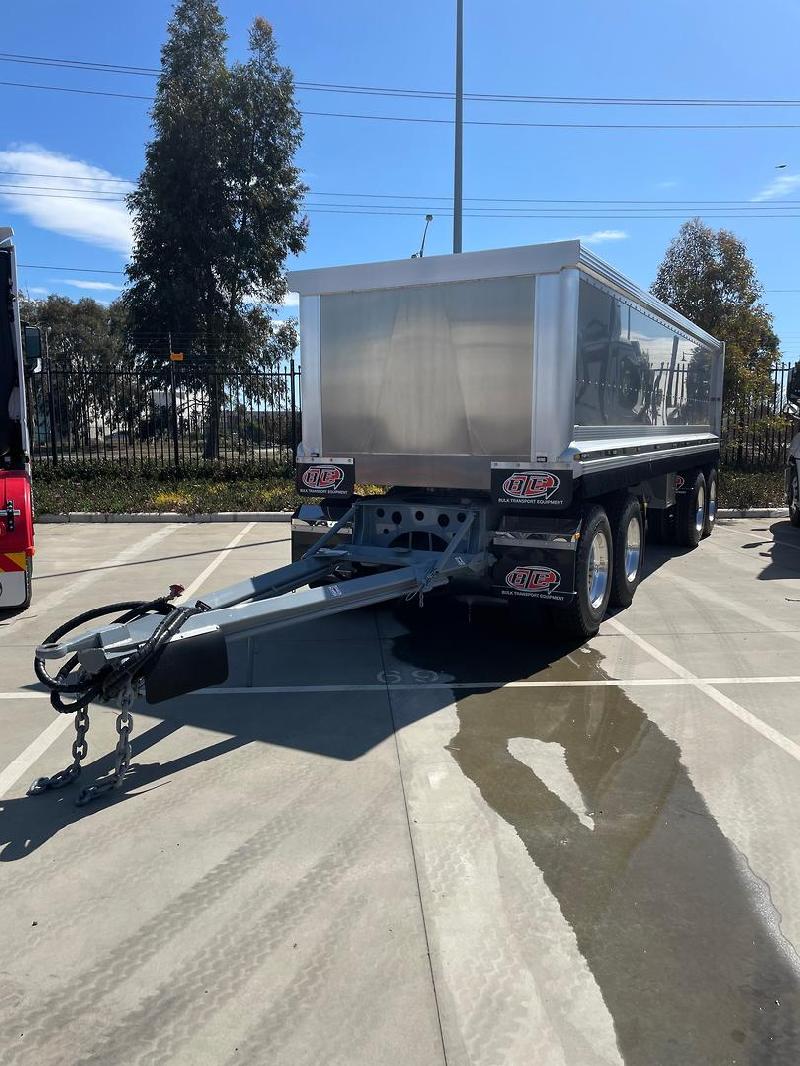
(122, 752)
(80, 749)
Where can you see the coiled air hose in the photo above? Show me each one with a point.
(132, 666)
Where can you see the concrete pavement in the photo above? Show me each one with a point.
(416, 837)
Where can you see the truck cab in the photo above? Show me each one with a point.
(16, 505)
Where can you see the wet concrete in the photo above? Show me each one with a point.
(681, 936)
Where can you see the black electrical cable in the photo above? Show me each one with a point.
(89, 688)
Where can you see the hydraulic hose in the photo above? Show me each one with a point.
(133, 665)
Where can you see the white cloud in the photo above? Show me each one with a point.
(95, 286)
(666, 184)
(291, 299)
(105, 223)
(35, 291)
(600, 236)
(778, 187)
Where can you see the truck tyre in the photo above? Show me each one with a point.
(594, 568)
(691, 518)
(794, 497)
(627, 531)
(711, 503)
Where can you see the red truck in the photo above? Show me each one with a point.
(16, 503)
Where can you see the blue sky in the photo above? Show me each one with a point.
(683, 49)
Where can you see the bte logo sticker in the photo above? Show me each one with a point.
(323, 478)
(533, 579)
(531, 485)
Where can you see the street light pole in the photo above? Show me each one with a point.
(459, 145)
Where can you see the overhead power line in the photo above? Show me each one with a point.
(531, 206)
(429, 94)
(65, 177)
(72, 270)
(698, 201)
(405, 210)
(425, 120)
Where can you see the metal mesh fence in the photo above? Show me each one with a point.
(757, 430)
(182, 418)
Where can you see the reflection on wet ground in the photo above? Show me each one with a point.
(680, 934)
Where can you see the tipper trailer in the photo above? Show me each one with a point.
(530, 413)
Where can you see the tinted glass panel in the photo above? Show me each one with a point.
(633, 369)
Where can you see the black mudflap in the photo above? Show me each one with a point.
(530, 488)
(333, 479)
(535, 573)
(186, 665)
(535, 557)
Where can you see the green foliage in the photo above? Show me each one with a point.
(80, 337)
(78, 334)
(217, 207)
(113, 488)
(751, 488)
(707, 275)
(116, 489)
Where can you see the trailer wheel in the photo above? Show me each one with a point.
(711, 503)
(627, 529)
(691, 518)
(594, 569)
(794, 497)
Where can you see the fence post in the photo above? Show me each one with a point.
(293, 408)
(52, 413)
(174, 410)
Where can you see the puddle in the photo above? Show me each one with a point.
(680, 935)
(684, 944)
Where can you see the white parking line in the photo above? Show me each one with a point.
(424, 686)
(22, 764)
(71, 588)
(212, 566)
(744, 716)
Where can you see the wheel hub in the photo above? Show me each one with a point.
(597, 576)
(633, 549)
(700, 512)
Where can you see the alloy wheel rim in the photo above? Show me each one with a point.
(597, 576)
(700, 512)
(712, 502)
(633, 549)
